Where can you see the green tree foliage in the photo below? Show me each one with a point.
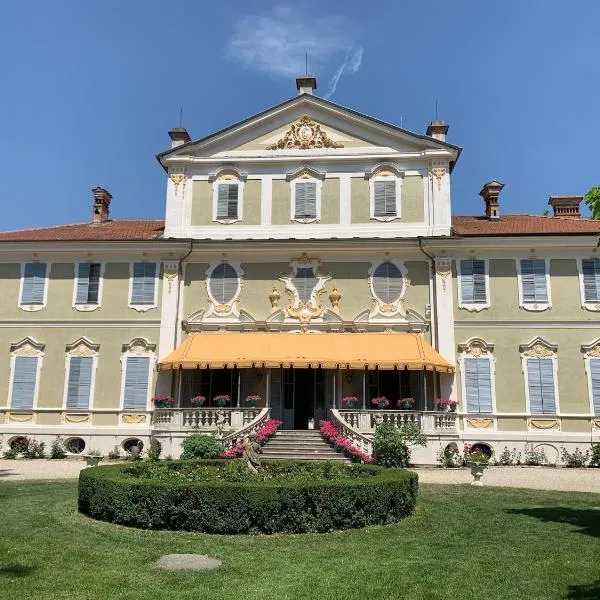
(200, 446)
(592, 201)
(391, 444)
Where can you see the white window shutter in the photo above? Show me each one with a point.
(144, 280)
(591, 279)
(83, 283)
(479, 291)
(34, 281)
(540, 376)
(227, 201)
(224, 283)
(136, 382)
(24, 377)
(595, 377)
(478, 384)
(533, 281)
(305, 282)
(384, 193)
(305, 200)
(388, 282)
(79, 385)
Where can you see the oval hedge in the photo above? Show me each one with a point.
(149, 496)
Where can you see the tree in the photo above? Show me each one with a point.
(592, 201)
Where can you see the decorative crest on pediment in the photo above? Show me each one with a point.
(83, 347)
(304, 134)
(139, 346)
(476, 347)
(27, 347)
(591, 350)
(538, 348)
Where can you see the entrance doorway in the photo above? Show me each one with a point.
(304, 397)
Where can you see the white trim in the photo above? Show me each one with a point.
(39, 354)
(552, 348)
(465, 352)
(33, 307)
(216, 308)
(78, 324)
(591, 306)
(266, 199)
(240, 200)
(474, 306)
(345, 199)
(379, 305)
(538, 306)
(587, 358)
(526, 324)
(93, 353)
(301, 179)
(138, 347)
(88, 307)
(143, 307)
(398, 177)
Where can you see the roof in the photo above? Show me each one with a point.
(523, 225)
(317, 100)
(104, 232)
(326, 350)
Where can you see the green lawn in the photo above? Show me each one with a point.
(462, 542)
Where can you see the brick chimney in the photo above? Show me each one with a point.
(566, 207)
(490, 192)
(437, 130)
(179, 136)
(101, 206)
(306, 84)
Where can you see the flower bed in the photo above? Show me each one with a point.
(333, 435)
(266, 432)
(224, 497)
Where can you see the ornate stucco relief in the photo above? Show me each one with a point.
(543, 423)
(304, 134)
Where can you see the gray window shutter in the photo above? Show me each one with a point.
(533, 280)
(34, 281)
(227, 201)
(79, 385)
(224, 283)
(387, 282)
(83, 283)
(478, 385)
(466, 281)
(144, 279)
(595, 377)
(479, 291)
(540, 375)
(305, 282)
(136, 382)
(591, 279)
(24, 382)
(306, 200)
(94, 284)
(385, 198)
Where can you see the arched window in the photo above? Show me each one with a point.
(224, 284)
(388, 283)
(305, 281)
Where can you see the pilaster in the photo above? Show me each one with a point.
(169, 322)
(444, 314)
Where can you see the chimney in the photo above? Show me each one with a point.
(438, 130)
(566, 207)
(101, 206)
(179, 136)
(306, 84)
(490, 192)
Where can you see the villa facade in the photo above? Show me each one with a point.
(308, 253)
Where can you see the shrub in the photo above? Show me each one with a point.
(200, 446)
(10, 454)
(114, 454)
(290, 497)
(449, 458)
(155, 450)
(506, 457)
(595, 458)
(34, 449)
(57, 449)
(20, 444)
(391, 444)
(533, 457)
(575, 459)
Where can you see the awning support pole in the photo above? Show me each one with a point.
(239, 390)
(268, 389)
(364, 389)
(179, 383)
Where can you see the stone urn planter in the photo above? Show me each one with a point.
(91, 460)
(477, 470)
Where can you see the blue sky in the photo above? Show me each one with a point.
(90, 89)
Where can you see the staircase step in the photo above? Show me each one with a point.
(335, 457)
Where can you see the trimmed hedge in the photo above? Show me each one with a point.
(116, 493)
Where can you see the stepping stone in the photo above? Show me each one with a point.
(192, 562)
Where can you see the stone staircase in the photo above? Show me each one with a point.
(300, 445)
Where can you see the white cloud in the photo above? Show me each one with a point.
(276, 45)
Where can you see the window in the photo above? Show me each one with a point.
(88, 285)
(304, 281)
(24, 381)
(224, 284)
(227, 201)
(75, 445)
(533, 280)
(385, 184)
(540, 383)
(388, 283)
(143, 285)
(79, 384)
(594, 369)
(590, 282)
(477, 373)
(305, 205)
(135, 393)
(33, 286)
(384, 199)
(473, 284)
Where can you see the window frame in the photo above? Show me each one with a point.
(534, 306)
(137, 348)
(593, 306)
(386, 175)
(43, 304)
(305, 178)
(473, 306)
(154, 303)
(382, 307)
(591, 353)
(27, 347)
(477, 349)
(540, 349)
(82, 347)
(84, 307)
(228, 180)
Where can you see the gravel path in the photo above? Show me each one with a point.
(568, 480)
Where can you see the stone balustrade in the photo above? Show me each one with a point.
(431, 422)
(205, 419)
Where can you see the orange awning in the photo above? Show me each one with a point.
(324, 350)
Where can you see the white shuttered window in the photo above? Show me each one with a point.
(305, 200)
(478, 384)
(135, 394)
(591, 279)
(79, 383)
(534, 288)
(384, 198)
(305, 282)
(595, 383)
(224, 283)
(88, 283)
(540, 380)
(472, 282)
(24, 379)
(227, 201)
(143, 284)
(388, 283)
(34, 283)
